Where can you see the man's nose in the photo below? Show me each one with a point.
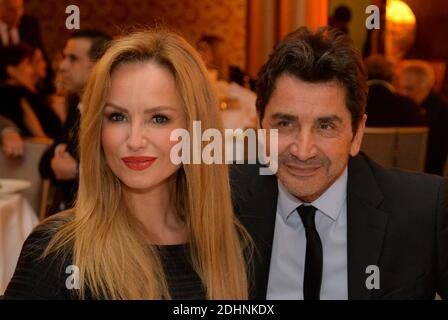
(304, 145)
(63, 65)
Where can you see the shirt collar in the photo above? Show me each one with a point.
(329, 203)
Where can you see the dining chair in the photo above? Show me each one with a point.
(401, 147)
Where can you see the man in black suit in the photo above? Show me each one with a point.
(60, 162)
(332, 224)
(416, 81)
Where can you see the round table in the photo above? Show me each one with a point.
(17, 220)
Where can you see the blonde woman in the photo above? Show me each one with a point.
(142, 227)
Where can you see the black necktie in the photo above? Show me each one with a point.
(313, 259)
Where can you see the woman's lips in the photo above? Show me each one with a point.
(138, 163)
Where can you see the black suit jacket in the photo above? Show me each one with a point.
(387, 109)
(395, 220)
(69, 136)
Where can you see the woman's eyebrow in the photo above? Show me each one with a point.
(147, 110)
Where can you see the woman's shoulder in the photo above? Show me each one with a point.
(42, 234)
(38, 274)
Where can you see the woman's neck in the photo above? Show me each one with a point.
(156, 210)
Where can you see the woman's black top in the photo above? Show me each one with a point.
(47, 278)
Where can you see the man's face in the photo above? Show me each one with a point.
(413, 86)
(11, 11)
(76, 65)
(315, 136)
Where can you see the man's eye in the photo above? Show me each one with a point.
(326, 126)
(117, 117)
(159, 119)
(284, 124)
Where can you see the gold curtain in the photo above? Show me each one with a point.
(269, 21)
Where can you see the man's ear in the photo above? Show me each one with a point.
(359, 134)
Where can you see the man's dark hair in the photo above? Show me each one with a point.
(326, 55)
(99, 41)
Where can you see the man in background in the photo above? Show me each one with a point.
(17, 27)
(416, 81)
(60, 162)
(385, 107)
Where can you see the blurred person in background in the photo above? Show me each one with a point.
(60, 162)
(22, 68)
(10, 138)
(17, 27)
(385, 107)
(233, 87)
(341, 18)
(416, 81)
(214, 53)
(16, 84)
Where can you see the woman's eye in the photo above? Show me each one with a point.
(117, 117)
(159, 119)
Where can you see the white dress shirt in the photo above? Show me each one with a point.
(287, 266)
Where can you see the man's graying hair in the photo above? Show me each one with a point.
(326, 55)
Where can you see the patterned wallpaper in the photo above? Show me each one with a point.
(191, 18)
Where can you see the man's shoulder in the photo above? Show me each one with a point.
(396, 182)
(245, 178)
(244, 171)
(248, 173)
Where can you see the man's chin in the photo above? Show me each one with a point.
(300, 187)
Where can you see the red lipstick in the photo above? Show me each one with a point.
(138, 163)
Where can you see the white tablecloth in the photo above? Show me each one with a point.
(17, 220)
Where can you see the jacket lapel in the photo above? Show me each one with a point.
(366, 225)
(258, 216)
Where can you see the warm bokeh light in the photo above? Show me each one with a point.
(399, 12)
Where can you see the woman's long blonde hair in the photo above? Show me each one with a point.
(106, 241)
